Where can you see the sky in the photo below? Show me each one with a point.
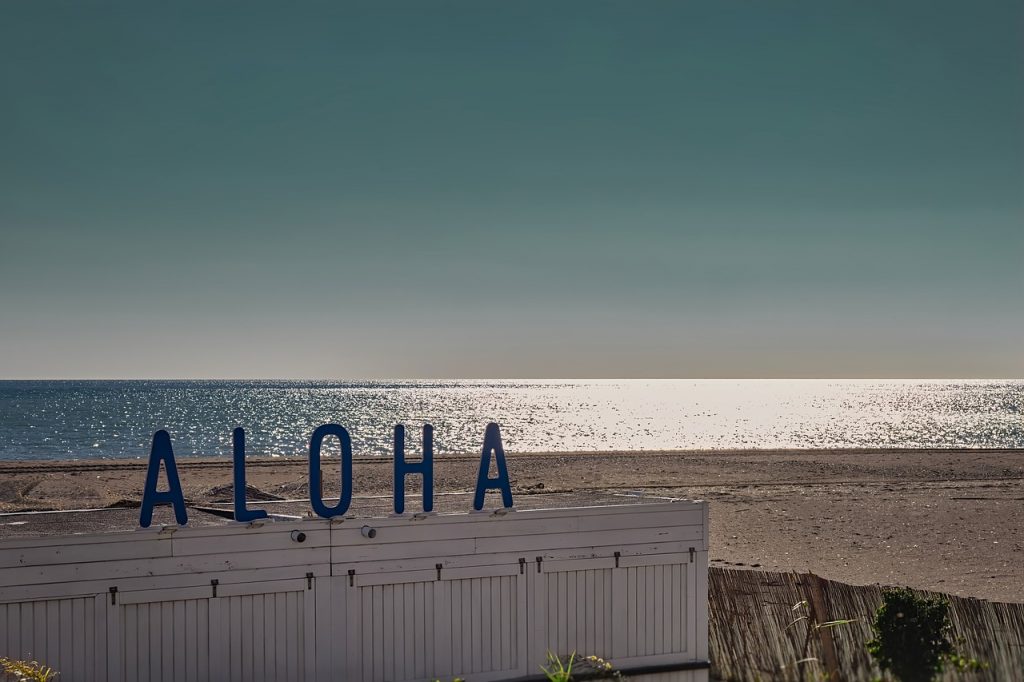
(529, 189)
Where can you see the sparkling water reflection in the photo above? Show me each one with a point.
(59, 419)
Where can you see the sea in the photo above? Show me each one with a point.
(117, 419)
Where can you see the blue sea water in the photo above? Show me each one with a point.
(117, 419)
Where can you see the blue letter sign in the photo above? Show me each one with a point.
(315, 494)
(161, 451)
(241, 513)
(425, 467)
(492, 442)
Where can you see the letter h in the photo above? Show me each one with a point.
(425, 467)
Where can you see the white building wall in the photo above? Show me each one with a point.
(480, 596)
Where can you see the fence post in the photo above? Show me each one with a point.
(819, 613)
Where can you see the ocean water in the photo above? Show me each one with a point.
(117, 419)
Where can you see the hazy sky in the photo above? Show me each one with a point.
(512, 189)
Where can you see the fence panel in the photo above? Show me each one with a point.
(64, 634)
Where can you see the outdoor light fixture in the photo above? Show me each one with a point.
(369, 532)
(298, 536)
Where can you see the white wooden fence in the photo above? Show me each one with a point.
(483, 596)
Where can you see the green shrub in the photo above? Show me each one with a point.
(911, 637)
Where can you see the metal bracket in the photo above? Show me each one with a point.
(438, 567)
(522, 565)
(539, 560)
(618, 555)
(351, 577)
(309, 581)
(113, 595)
(213, 584)
(691, 554)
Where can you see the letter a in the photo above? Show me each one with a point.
(162, 451)
(492, 442)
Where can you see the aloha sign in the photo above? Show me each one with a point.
(162, 454)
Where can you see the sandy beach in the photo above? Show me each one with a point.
(946, 520)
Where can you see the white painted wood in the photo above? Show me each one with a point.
(54, 632)
(619, 582)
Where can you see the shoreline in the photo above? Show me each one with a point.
(949, 520)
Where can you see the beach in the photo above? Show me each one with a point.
(944, 520)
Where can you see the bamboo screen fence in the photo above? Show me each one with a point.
(752, 634)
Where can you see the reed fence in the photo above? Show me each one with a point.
(753, 636)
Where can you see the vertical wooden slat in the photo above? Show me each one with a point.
(650, 594)
(458, 626)
(167, 641)
(559, 612)
(412, 633)
(294, 634)
(689, 587)
(155, 622)
(506, 604)
(259, 644)
(677, 602)
(190, 637)
(37, 645)
(698, 601)
(319, 604)
(96, 640)
(339, 636)
(132, 653)
(115, 666)
(614, 617)
(307, 601)
(366, 621)
(245, 630)
(538, 597)
(477, 617)
(217, 647)
(143, 644)
(352, 599)
(468, 626)
(659, 643)
(443, 635)
(234, 629)
(595, 587)
(264, 614)
(89, 638)
(483, 607)
(630, 609)
(182, 643)
(76, 643)
(401, 646)
(579, 606)
(376, 642)
(53, 632)
(426, 621)
(492, 586)
(204, 664)
(12, 634)
(279, 642)
(7, 634)
(591, 615)
(520, 625)
(387, 629)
